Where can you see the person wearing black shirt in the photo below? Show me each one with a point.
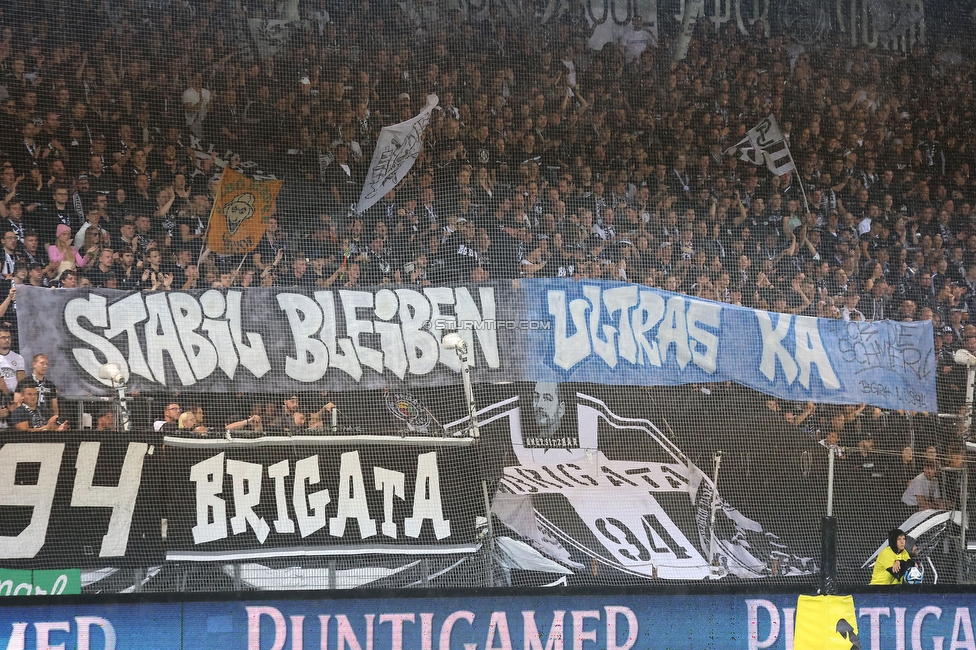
(343, 183)
(171, 418)
(30, 416)
(461, 255)
(99, 274)
(271, 247)
(129, 275)
(98, 180)
(47, 400)
(35, 255)
(378, 266)
(139, 201)
(193, 225)
(15, 221)
(126, 237)
(59, 211)
(298, 275)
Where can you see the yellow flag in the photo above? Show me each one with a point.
(240, 213)
(825, 623)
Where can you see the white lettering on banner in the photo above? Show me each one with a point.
(352, 499)
(498, 627)
(920, 616)
(86, 623)
(370, 633)
(448, 626)
(427, 500)
(39, 496)
(396, 622)
(246, 478)
(808, 347)
(161, 334)
(211, 510)
(83, 636)
(900, 627)
(254, 615)
(755, 643)
(530, 632)
(310, 509)
(962, 624)
(566, 478)
(874, 614)
(307, 469)
(121, 499)
(200, 335)
(44, 633)
(282, 522)
(682, 323)
(613, 611)
(391, 483)
(929, 629)
(84, 494)
(580, 633)
(644, 539)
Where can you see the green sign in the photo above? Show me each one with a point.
(40, 583)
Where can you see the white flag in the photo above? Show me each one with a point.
(396, 151)
(765, 143)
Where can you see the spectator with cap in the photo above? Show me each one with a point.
(36, 276)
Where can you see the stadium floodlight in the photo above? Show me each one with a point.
(113, 373)
(964, 357)
(456, 342)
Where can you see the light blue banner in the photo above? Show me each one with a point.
(626, 334)
(886, 619)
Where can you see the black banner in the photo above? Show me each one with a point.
(79, 499)
(587, 484)
(307, 496)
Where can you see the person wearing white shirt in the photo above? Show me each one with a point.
(923, 491)
(11, 369)
(196, 103)
(634, 41)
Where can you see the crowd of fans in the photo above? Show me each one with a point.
(544, 158)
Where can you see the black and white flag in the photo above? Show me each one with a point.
(396, 151)
(765, 143)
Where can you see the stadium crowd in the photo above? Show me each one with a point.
(544, 158)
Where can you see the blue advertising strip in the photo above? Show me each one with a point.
(92, 627)
(625, 334)
(694, 622)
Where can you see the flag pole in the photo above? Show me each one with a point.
(799, 181)
(213, 208)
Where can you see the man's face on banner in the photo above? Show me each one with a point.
(547, 407)
(238, 211)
